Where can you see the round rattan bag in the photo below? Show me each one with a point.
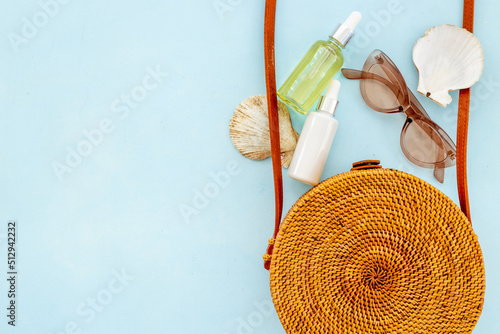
(377, 251)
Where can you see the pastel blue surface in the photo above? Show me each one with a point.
(114, 137)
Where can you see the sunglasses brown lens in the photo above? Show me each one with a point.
(423, 144)
(383, 93)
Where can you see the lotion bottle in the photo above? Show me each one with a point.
(313, 73)
(316, 139)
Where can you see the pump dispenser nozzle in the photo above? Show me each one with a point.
(333, 89)
(353, 20)
(345, 31)
(328, 103)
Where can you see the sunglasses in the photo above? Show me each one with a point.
(384, 89)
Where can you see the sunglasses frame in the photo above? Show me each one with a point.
(410, 106)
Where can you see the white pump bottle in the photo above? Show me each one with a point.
(316, 139)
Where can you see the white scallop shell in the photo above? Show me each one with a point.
(249, 130)
(447, 58)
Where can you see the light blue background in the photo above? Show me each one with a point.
(119, 210)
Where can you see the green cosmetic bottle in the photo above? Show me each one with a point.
(312, 75)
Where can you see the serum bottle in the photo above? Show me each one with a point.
(323, 60)
(316, 139)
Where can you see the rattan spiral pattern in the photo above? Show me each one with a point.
(377, 251)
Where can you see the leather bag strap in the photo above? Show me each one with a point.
(272, 107)
(463, 124)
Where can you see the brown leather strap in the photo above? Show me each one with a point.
(272, 106)
(463, 124)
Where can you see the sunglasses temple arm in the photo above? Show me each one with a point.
(350, 73)
(439, 172)
(439, 167)
(358, 75)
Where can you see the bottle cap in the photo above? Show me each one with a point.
(345, 31)
(328, 103)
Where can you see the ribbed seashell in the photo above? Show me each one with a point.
(249, 130)
(447, 58)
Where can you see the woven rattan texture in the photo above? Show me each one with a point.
(377, 251)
